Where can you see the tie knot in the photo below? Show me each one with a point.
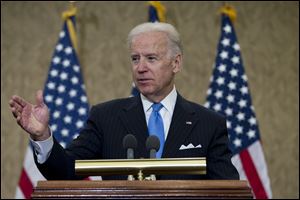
(156, 107)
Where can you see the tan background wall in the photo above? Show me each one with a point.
(267, 32)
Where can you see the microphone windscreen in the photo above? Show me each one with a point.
(152, 142)
(129, 141)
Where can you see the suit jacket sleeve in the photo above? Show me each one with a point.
(61, 163)
(219, 165)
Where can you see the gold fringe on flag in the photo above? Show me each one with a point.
(161, 10)
(67, 16)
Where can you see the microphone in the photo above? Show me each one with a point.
(152, 145)
(130, 143)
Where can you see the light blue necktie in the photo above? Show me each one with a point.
(156, 126)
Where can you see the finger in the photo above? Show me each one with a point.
(39, 97)
(15, 105)
(19, 100)
(14, 112)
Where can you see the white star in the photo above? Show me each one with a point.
(224, 55)
(217, 107)
(220, 80)
(227, 28)
(67, 119)
(62, 34)
(73, 93)
(242, 103)
(56, 114)
(238, 129)
(56, 60)
(244, 77)
(219, 94)
(236, 47)
(53, 72)
(59, 47)
(79, 124)
(228, 124)
(252, 121)
(225, 42)
(74, 80)
(75, 135)
(82, 111)
(66, 63)
(70, 106)
(63, 144)
(49, 98)
(237, 142)
(233, 72)
(76, 68)
(232, 85)
(251, 134)
(222, 68)
(235, 60)
(230, 98)
(244, 90)
(228, 111)
(61, 88)
(207, 104)
(208, 91)
(51, 85)
(68, 50)
(58, 101)
(83, 99)
(241, 116)
(53, 127)
(63, 76)
(65, 132)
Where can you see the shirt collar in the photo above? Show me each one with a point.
(168, 102)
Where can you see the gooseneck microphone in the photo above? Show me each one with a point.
(130, 144)
(152, 145)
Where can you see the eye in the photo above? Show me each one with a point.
(151, 58)
(135, 59)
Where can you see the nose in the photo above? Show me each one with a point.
(142, 66)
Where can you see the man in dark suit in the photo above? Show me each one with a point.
(188, 129)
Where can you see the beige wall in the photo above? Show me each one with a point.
(267, 32)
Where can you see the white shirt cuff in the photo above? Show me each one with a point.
(42, 149)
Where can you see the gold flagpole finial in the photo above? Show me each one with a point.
(66, 15)
(229, 11)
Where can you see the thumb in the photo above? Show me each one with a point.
(39, 97)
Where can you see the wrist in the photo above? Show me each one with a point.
(41, 137)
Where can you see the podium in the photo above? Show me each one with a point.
(160, 189)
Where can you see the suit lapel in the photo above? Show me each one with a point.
(133, 118)
(183, 120)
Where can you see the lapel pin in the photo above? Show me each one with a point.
(188, 123)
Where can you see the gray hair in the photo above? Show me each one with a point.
(172, 34)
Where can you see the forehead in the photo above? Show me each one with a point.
(149, 40)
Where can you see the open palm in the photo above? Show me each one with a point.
(33, 119)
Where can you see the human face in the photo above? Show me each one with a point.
(153, 67)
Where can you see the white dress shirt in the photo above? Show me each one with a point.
(166, 111)
(43, 149)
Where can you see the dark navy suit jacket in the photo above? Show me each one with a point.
(109, 122)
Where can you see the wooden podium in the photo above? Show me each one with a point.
(162, 189)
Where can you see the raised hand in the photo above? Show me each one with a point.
(33, 119)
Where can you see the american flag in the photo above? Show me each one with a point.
(156, 13)
(229, 95)
(65, 96)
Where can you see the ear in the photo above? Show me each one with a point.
(177, 63)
